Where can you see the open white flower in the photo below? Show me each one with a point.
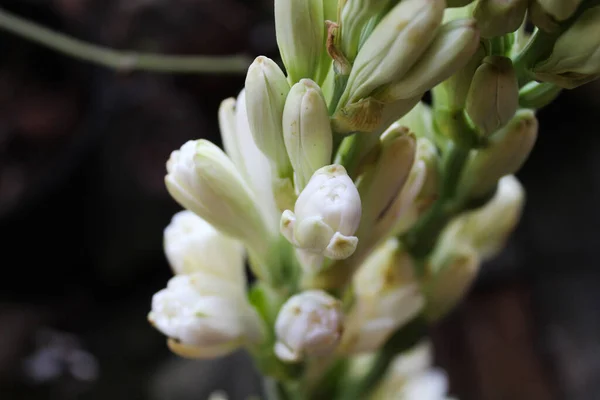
(309, 323)
(204, 316)
(326, 215)
(193, 245)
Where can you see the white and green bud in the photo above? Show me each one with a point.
(266, 91)
(355, 17)
(487, 229)
(493, 97)
(250, 162)
(560, 10)
(395, 45)
(499, 17)
(205, 316)
(386, 296)
(411, 376)
(505, 154)
(575, 58)
(204, 180)
(382, 181)
(453, 267)
(450, 51)
(300, 31)
(307, 131)
(326, 215)
(309, 324)
(193, 245)
(451, 94)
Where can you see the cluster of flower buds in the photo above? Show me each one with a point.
(359, 208)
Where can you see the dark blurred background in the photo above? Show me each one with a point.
(83, 206)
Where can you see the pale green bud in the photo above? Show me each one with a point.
(326, 215)
(309, 324)
(354, 17)
(307, 131)
(450, 51)
(504, 155)
(266, 91)
(538, 94)
(394, 47)
(382, 181)
(560, 9)
(386, 296)
(451, 94)
(540, 18)
(419, 120)
(250, 162)
(452, 269)
(575, 59)
(203, 179)
(300, 31)
(204, 316)
(499, 17)
(493, 96)
(487, 229)
(193, 245)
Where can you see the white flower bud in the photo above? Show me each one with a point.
(499, 17)
(307, 131)
(204, 180)
(305, 19)
(453, 267)
(309, 324)
(493, 96)
(560, 9)
(411, 376)
(505, 154)
(250, 162)
(387, 296)
(575, 58)
(193, 245)
(381, 182)
(204, 316)
(450, 51)
(326, 215)
(266, 91)
(394, 47)
(486, 229)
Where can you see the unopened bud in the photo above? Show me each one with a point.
(193, 245)
(266, 91)
(204, 180)
(354, 19)
(300, 31)
(541, 19)
(307, 131)
(450, 51)
(394, 47)
(560, 9)
(326, 215)
(505, 154)
(499, 17)
(381, 183)
(308, 324)
(204, 316)
(387, 296)
(575, 58)
(494, 95)
(487, 228)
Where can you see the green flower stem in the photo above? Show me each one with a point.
(121, 60)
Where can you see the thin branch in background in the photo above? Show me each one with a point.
(121, 60)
